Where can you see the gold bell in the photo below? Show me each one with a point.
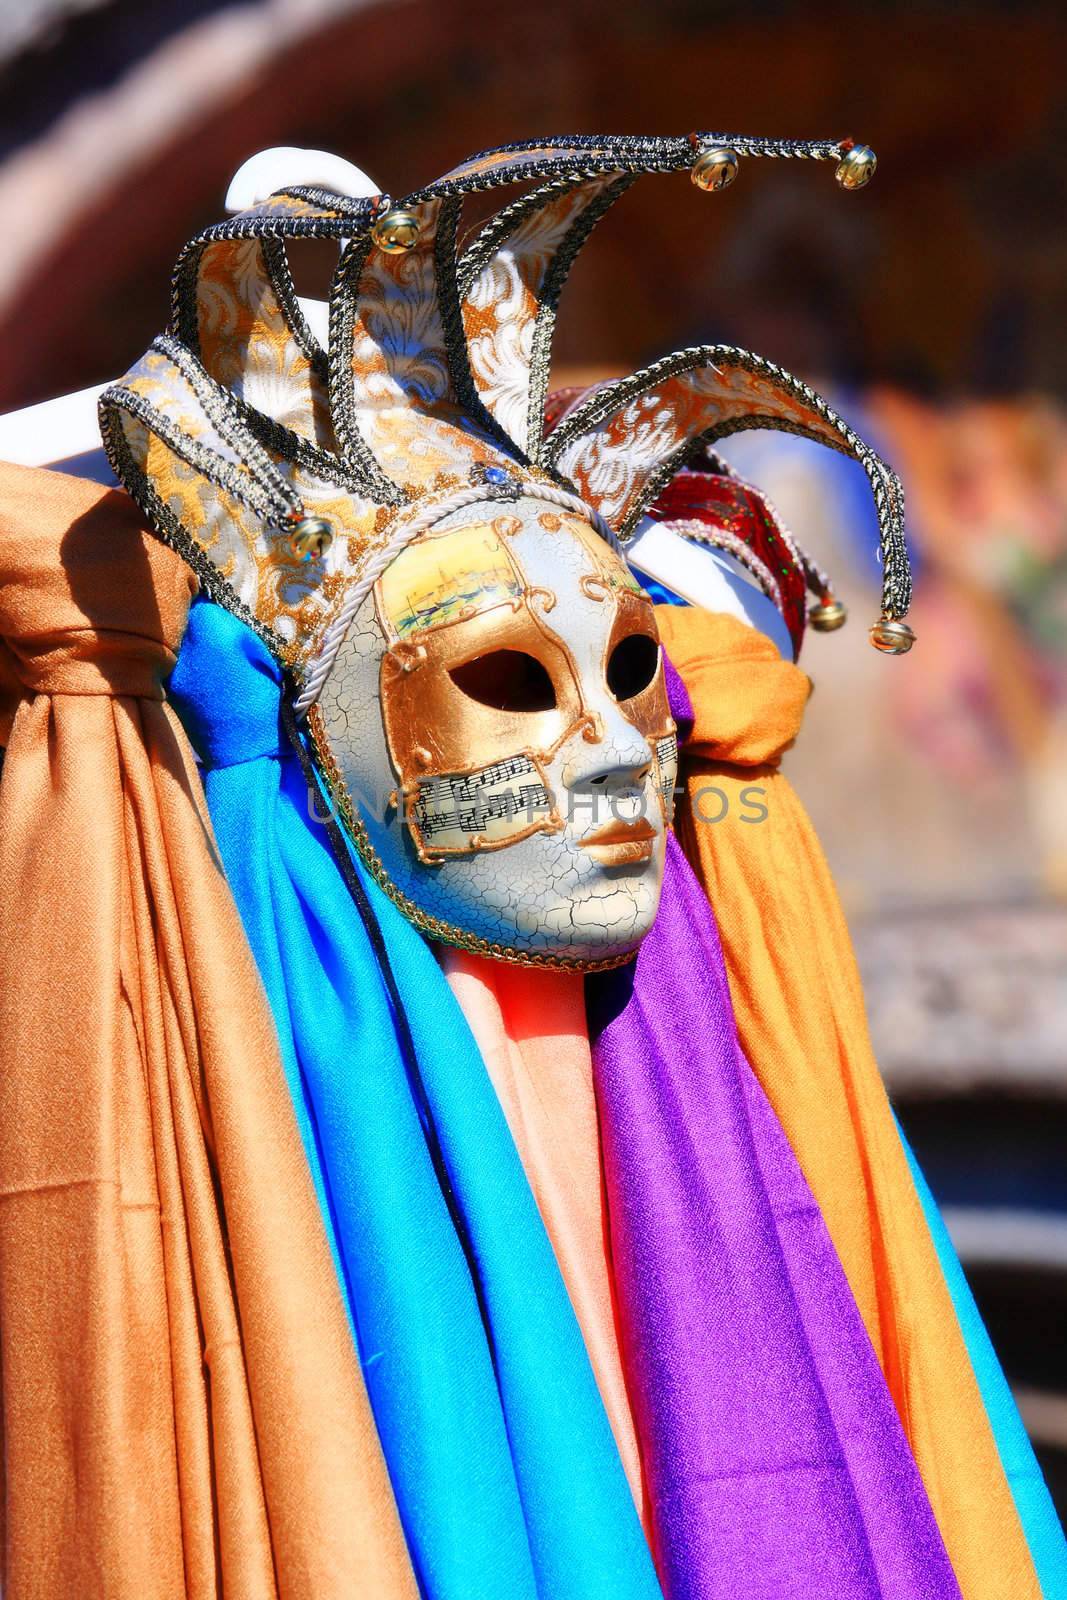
(891, 637)
(396, 232)
(311, 538)
(856, 167)
(828, 615)
(715, 168)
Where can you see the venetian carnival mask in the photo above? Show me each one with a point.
(504, 681)
(477, 674)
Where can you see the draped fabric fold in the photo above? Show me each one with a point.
(801, 1022)
(182, 1411)
(1041, 1525)
(531, 1029)
(775, 1459)
(507, 1476)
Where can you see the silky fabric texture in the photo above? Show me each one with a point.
(182, 1412)
(1044, 1533)
(530, 1027)
(776, 1463)
(507, 1477)
(801, 1023)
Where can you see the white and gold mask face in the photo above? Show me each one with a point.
(497, 723)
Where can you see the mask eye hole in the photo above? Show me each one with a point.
(506, 680)
(632, 665)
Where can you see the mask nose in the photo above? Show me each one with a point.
(607, 780)
(619, 759)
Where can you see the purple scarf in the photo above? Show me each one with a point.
(776, 1462)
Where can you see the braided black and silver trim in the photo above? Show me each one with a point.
(885, 485)
(590, 156)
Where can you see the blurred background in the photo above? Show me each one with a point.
(930, 308)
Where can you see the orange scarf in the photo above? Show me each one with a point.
(801, 1021)
(182, 1410)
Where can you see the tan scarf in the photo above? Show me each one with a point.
(183, 1413)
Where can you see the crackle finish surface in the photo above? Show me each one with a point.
(603, 759)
